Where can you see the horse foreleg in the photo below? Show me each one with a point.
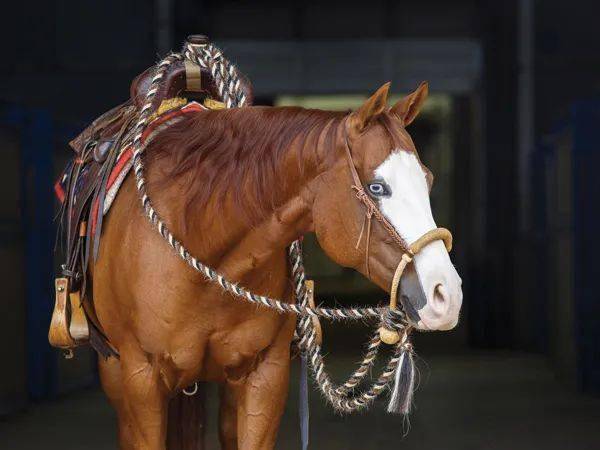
(261, 399)
(143, 406)
(110, 378)
(228, 417)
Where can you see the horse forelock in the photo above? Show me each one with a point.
(237, 153)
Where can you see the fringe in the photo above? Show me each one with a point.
(404, 383)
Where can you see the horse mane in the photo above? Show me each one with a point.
(237, 152)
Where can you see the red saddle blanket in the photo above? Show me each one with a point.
(124, 160)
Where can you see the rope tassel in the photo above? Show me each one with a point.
(404, 383)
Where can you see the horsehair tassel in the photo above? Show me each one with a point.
(404, 383)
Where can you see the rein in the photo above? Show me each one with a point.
(393, 324)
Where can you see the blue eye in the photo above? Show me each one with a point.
(379, 189)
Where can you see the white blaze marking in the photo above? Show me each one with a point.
(408, 208)
(409, 211)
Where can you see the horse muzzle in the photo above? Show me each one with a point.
(430, 302)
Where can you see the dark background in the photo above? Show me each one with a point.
(511, 133)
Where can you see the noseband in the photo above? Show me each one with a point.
(388, 334)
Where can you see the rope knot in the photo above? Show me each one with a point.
(394, 319)
(364, 198)
(407, 346)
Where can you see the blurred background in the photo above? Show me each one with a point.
(510, 132)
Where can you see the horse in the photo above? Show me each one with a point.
(237, 186)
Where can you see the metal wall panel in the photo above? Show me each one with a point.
(349, 66)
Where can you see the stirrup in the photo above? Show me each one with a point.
(69, 326)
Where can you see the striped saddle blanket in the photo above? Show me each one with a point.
(121, 167)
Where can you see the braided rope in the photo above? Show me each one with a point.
(223, 72)
(229, 87)
(341, 397)
(364, 367)
(305, 328)
(343, 401)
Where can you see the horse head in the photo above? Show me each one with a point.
(387, 164)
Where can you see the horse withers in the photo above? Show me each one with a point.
(237, 186)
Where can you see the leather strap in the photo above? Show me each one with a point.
(303, 409)
(193, 77)
(310, 293)
(372, 210)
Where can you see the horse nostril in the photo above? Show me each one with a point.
(440, 295)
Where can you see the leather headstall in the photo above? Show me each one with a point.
(372, 210)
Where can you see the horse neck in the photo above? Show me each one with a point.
(230, 239)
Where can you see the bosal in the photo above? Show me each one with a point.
(393, 327)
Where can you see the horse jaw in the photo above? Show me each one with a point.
(433, 294)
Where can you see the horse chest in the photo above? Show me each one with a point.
(233, 352)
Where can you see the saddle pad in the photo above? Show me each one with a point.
(124, 160)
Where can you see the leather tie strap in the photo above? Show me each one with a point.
(193, 77)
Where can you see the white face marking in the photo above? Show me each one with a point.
(409, 211)
(408, 207)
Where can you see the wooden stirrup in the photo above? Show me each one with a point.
(69, 325)
(78, 328)
(58, 335)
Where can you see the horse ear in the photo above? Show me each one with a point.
(408, 107)
(372, 107)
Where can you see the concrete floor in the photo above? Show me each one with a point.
(474, 401)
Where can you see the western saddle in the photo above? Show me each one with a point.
(74, 322)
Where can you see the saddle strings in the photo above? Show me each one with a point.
(367, 222)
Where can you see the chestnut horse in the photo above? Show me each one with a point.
(237, 186)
